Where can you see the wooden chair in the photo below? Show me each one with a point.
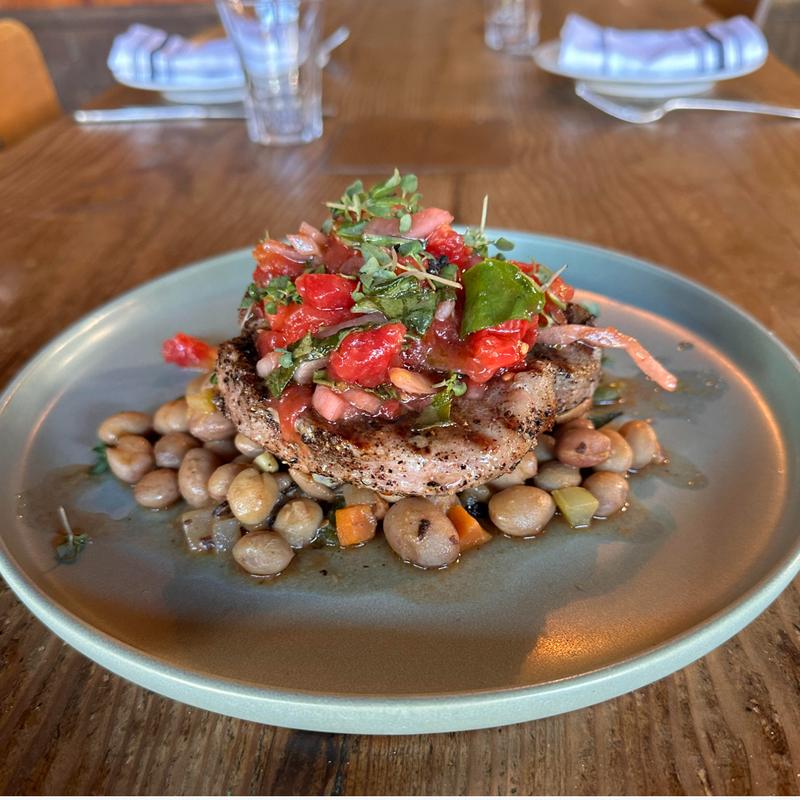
(755, 9)
(27, 96)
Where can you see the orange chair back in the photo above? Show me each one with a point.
(27, 96)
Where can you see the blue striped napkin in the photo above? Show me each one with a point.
(732, 44)
(150, 55)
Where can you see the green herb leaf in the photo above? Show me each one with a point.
(496, 291)
(437, 414)
(599, 419)
(403, 299)
(503, 244)
(405, 223)
(101, 460)
(607, 393)
(68, 550)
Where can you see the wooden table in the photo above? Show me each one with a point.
(89, 213)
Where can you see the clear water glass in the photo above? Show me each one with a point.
(512, 25)
(278, 44)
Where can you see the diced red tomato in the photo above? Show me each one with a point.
(294, 401)
(326, 292)
(273, 259)
(188, 351)
(364, 357)
(493, 351)
(563, 291)
(444, 241)
(291, 323)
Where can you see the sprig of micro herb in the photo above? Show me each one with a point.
(437, 414)
(68, 550)
(279, 291)
(396, 197)
(477, 239)
(101, 460)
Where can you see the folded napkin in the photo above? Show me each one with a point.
(734, 43)
(151, 55)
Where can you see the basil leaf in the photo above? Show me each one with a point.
(404, 299)
(496, 291)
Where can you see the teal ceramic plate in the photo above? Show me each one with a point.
(356, 641)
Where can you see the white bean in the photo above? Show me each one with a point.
(643, 441)
(610, 490)
(262, 553)
(196, 468)
(209, 427)
(172, 417)
(521, 510)
(157, 489)
(555, 475)
(131, 459)
(420, 533)
(475, 494)
(360, 495)
(125, 422)
(246, 446)
(223, 448)
(545, 447)
(221, 479)
(582, 447)
(620, 459)
(526, 469)
(172, 447)
(298, 521)
(252, 496)
(311, 487)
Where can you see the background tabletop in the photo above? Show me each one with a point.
(89, 213)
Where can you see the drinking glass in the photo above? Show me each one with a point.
(512, 25)
(278, 44)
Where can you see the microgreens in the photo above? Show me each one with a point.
(101, 461)
(477, 239)
(68, 550)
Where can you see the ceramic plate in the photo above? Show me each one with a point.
(356, 641)
(546, 57)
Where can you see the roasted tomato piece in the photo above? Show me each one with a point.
(293, 402)
(294, 321)
(444, 241)
(274, 259)
(493, 351)
(188, 351)
(563, 291)
(364, 357)
(326, 292)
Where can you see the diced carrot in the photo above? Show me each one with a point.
(470, 532)
(355, 524)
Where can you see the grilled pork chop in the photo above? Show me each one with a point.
(488, 438)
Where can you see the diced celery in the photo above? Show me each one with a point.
(578, 505)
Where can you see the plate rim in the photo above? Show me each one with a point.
(545, 49)
(386, 714)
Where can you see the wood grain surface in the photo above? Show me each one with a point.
(89, 213)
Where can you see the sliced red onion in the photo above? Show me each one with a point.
(267, 364)
(304, 245)
(366, 319)
(282, 249)
(444, 310)
(305, 372)
(362, 400)
(314, 233)
(328, 404)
